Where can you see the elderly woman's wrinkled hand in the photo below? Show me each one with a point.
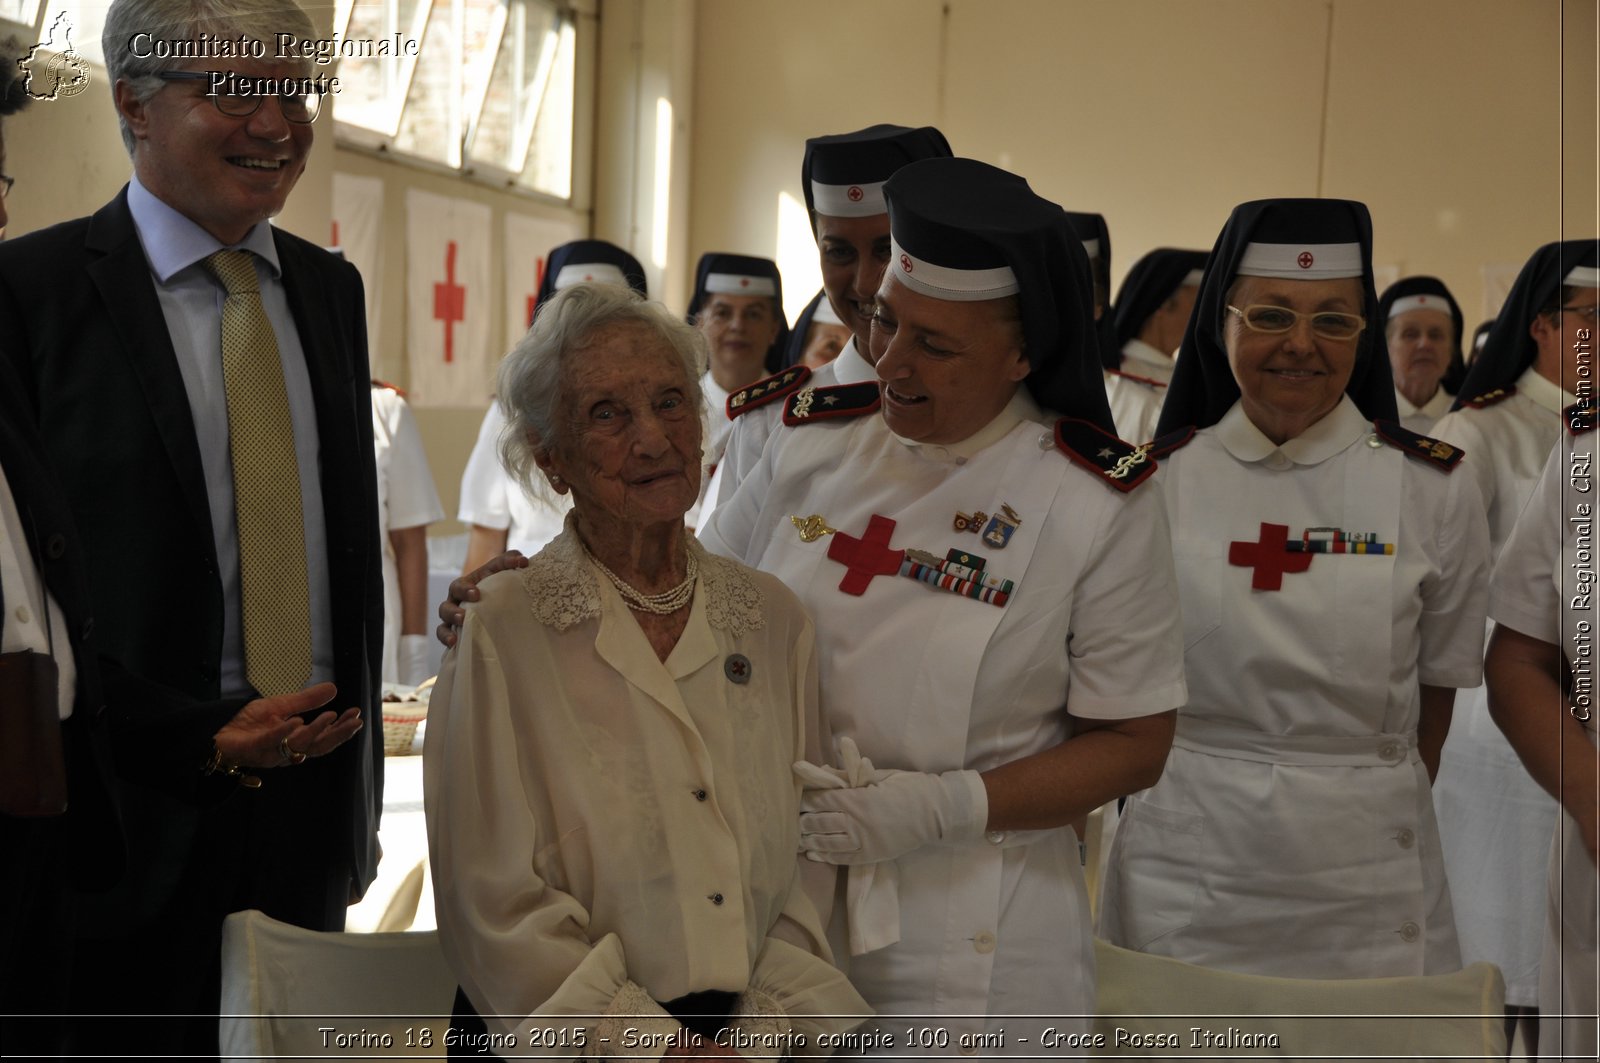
(268, 732)
(464, 589)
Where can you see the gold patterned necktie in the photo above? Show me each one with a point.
(266, 487)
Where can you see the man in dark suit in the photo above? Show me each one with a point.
(114, 325)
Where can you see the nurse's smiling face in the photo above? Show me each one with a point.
(1288, 381)
(855, 252)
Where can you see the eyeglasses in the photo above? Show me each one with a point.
(301, 108)
(5, 185)
(1275, 320)
(1590, 313)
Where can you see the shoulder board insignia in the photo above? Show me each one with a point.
(385, 384)
(1122, 465)
(1580, 417)
(1435, 452)
(767, 389)
(1147, 381)
(1161, 446)
(813, 403)
(1489, 398)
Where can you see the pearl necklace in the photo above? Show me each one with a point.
(663, 604)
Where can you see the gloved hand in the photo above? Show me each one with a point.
(413, 662)
(899, 812)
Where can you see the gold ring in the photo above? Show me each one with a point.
(288, 754)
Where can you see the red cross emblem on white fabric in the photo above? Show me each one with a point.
(744, 282)
(449, 301)
(854, 193)
(1305, 260)
(905, 262)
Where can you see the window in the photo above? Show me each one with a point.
(490, 90)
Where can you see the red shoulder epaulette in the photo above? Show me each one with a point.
(766, 390)
(1161, 446)
(1150, 381)
(1579, 417)
(1489, 398)
(813, 403)
(385, 384)
(1122, 465)
(1435, 452)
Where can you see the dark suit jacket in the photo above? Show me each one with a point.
(84, 329)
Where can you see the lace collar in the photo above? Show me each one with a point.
(565, 587)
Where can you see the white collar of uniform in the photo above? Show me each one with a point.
(1339, 428)
(1550, 396)
(1021, 408)
(716, 398)
(172, 242)
(1435, 407)
(850, 367)
(1140, 351)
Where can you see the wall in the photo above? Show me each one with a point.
(1445, 116)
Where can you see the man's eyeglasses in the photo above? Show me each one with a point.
(1590, 313)
(1275, 320)
(298, 107)
(5, 185)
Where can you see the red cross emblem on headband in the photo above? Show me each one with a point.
(905, 263)
(744, 282)
(588, 276)
(1305, 260)
(854, 193)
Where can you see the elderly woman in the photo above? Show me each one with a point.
(500, 514)
(996, 613)
(1422, 329)
(1540, 674)
(611, 808)
(1332, 572)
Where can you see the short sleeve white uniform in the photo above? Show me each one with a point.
(490, 498)
(1493, 818)
(1537, 590)
(406, 499)
(1292, 832)
(930, 681)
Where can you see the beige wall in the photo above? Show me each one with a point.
(1445, 116)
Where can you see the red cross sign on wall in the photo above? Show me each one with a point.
(449, 301)
(538, 282)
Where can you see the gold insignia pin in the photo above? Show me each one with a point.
(812, 528)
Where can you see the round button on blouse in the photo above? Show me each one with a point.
(22, 614)
(983, 943)
(716, 898)
(1409, 931)
(699, 795)
(1406, 837)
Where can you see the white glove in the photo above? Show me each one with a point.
(887, 818)
(413, 662)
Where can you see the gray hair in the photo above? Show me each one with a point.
(532, 378)
(162, 21)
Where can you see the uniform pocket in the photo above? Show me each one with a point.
(1157, 860)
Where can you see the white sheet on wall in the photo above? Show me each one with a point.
(358, 232)
(528, 243)
(448, 302)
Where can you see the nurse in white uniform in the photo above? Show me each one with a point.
(1149, 317)
(500, 514)
(996, 617)
(1332, 570)
(1495, 820)
(738, 307)
(842, 176)
(1422, 328)
(407, 504)
(1541, 673)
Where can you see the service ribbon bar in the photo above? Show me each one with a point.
(948, 576)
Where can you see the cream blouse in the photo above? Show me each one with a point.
(608, 830)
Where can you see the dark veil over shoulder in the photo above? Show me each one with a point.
(1510, 349)
(1096, 236)
(974, 220)
(1203, 388)
(1150, 282)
